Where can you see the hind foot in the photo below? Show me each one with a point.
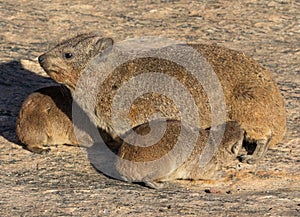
(153, 184)
(259, 152)
(146, 182)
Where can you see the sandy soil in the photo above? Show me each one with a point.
(63, 183)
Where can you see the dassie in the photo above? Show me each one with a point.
(133, 158)
(251, 95)
(45, 119)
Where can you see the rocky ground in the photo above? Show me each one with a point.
(63, 183)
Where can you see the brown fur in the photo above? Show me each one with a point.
(45, 119)
(191, 168)
(251, 95)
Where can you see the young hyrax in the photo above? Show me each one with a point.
(45, 119)
(251, 95)
(143, 161)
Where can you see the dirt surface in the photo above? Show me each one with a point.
(63, 183)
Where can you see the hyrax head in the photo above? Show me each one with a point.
(65, 62)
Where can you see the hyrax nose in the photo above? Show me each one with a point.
(41, 59)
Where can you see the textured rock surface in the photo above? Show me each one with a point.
(63, 183)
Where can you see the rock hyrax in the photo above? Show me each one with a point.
(190, 169)
(251, 95)
(45, 119)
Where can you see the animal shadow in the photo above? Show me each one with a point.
(16, 83)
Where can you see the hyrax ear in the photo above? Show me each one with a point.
(103, 43)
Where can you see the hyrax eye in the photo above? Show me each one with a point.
(68, 55)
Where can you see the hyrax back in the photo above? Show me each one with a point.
(192, 168)
(251, 96)
(45, 118)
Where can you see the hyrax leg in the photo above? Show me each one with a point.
(261, 138)
(259, 152)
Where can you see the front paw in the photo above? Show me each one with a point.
(38, 149)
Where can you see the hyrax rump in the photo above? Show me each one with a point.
(45, 118)
(133, 158)
(251, 95)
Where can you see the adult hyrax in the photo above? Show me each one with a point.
(134, 158)
(45, 118)
(251, 95)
